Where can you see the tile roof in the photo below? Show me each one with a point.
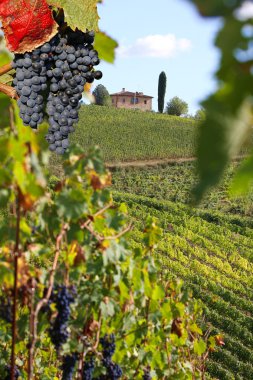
(132, 94)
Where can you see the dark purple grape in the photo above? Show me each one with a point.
(57, 72)
(98, 74)
(46, 48)
(44, 56)
(71, 58)
(88, 369)
(54, 87)
(87, 60)
(68, 366)
(5, 309)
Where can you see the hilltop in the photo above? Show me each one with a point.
(125, 135)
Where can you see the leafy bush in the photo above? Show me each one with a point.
(102, 96)
(176, 107)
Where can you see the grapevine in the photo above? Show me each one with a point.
(75, 232)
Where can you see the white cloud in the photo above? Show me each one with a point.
(156, 45)
(246, 10)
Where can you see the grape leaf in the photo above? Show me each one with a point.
(7, 78)
(221, 136)
(80, 14)
(105, 46)
(243, 179)
(27, 24)
(216, 8)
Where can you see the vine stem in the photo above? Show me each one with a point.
(93, 348)
(15, 291)
(4, 88)
(9, 91)
(43, 301)
(5, 68)
(30, 357)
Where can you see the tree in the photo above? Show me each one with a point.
(102, 96)
(177, 107)
(161, 91)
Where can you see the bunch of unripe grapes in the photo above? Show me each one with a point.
(51, 79)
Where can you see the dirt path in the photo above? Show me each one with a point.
(154, 162)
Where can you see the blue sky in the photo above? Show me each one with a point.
(155, 36)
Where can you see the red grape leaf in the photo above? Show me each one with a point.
(27, 24)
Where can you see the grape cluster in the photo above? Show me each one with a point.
(5, 309)
(88, 369)
(57, 71)
(113, 370)
(63, 297)
(8, 371)
(29, 82)
(68, 366)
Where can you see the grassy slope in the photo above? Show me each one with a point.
(211, 250)
(134, 135)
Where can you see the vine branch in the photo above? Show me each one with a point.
(5, 68)
(44, 300)
(15, 290)
(101, 238)
(9, 91)
(100, 212)
(93, 348)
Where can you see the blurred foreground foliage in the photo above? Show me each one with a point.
(71, 233)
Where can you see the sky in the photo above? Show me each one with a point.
(161, 35)
(155, 36)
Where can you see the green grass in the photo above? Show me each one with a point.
(125, 135)
(210, 247)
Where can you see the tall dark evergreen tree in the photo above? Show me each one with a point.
(161, 91)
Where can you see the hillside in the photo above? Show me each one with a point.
(134, 135)
(209, 247)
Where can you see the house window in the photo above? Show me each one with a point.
(123, 100)
(134, 100)
(145, 102)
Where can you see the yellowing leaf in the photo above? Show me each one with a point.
(80, 14)
(158, 293)
(199, 347)
(195, 329)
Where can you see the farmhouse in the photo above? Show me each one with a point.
(135, 100)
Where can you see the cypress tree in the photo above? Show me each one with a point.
(161, 91)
